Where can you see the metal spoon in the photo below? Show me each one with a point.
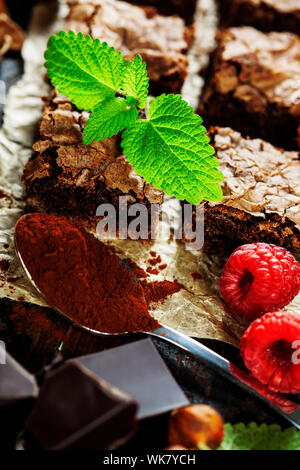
(200, 352)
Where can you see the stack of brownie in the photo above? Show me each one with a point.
(252, 92)
(253, 88)
(68, 178)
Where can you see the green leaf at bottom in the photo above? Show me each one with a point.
(254, 437)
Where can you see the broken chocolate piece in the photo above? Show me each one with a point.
(76, 410)
(17, 394)
(138, 369)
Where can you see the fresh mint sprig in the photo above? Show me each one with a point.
(169, 148)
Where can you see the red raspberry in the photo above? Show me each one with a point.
(270, 351)
(259, 278)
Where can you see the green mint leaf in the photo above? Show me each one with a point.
(87, 71)
(110, 117)
(171, 151)
(264, 437)
(135, 82)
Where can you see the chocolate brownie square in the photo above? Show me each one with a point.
(161, 41)
(267, 15)
(261, 195)
(253, 85)
(66, 177)
(184, 8)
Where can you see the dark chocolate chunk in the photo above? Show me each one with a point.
(76, 410)
(17, 394)
(138, 369)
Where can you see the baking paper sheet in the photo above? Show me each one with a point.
(196, 310)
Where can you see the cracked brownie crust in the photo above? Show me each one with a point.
(161, 41)
(253, 85)
(261, 195)
(66, 177)
(184, 8)
(267, 15)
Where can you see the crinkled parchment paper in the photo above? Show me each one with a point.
(196, 310)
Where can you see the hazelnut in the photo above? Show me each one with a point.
(3, 8)
(176, 447)
(196, 425)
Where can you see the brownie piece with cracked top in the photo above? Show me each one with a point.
(253, 85)
(184, 8)
(261, 195)
(267, 15)
(161, 41)
(65, 177)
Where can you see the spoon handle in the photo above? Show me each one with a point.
(216, 362)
